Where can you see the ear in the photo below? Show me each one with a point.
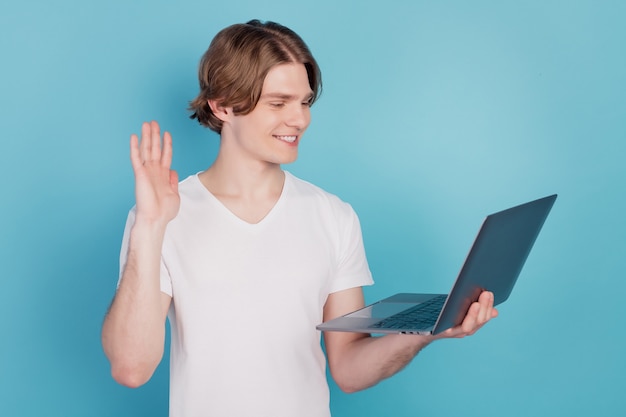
(221, 112)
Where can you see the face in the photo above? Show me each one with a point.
(272, 131)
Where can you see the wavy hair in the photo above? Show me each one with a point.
(233, 69)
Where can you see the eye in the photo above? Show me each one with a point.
(277, 104)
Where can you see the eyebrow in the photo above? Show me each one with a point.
(286, 97)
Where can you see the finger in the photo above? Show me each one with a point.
(135, 157)
(155, 138)
(174, 181)
(486, 304)
(490, 307)
(471, 318)
(144, 145)
(166, 156)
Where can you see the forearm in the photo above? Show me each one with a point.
(133, 333)
(367, 361)
(358, 362)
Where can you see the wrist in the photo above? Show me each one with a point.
(148, 230)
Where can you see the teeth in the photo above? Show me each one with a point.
(289, 139)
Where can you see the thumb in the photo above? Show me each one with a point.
(174, 180)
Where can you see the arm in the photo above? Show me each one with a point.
(133, 333)
(358, 361)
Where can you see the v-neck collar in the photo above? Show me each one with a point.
(228, 213)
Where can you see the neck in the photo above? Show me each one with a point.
(239, 172)
(249, 194)
(236, 180)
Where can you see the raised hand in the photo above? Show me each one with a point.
(156, 184)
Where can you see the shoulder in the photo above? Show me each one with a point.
(302, 188)
(191, 190)
(316, 197)
(195, 201)
(189, 184)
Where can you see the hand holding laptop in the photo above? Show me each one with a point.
(477, 316)
(486, 279)
(359, 361)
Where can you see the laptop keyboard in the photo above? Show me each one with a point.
(421, 316)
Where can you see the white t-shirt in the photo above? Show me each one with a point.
(246, 299)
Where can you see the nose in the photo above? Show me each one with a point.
(299, 116)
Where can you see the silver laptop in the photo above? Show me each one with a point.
(493, 263)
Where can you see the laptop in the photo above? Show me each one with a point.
(493, 263)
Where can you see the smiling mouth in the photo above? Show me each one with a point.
(286, 138)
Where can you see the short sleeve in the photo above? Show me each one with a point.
(352, 267)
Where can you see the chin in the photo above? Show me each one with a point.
(287, 159)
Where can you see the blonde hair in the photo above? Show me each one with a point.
(233, 69)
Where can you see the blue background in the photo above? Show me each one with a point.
(433, 115)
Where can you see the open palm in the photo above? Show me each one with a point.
(156, 184)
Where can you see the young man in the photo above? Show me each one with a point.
(245, 258)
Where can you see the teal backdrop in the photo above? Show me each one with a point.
(433, 115)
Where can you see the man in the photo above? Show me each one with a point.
(244, 257)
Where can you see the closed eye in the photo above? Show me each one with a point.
(279, 100)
